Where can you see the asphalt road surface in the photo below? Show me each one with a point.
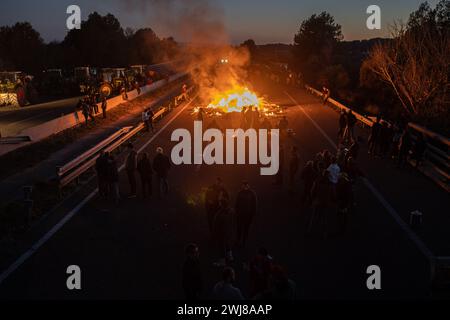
(135, 250)
(13, 122)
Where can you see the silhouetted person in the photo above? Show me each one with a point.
(113, 178)
(308, 176)
(246, 206)
(294, 163)
(101, 167)
(151, 114)
(85, 111)
(322, 193)
(192, 280)
(333, 171)
(349, 134)
(224, 290)
(223, 231)
(404, 147)
(325, 94)
(144, 167)
(344, 196)
(104, 106)
(280, 174)
(130, 167)
(145, 119)
(260, 268)
(419, 149)
(354, 150)
(374, 138)
(161, 165)
(342, 124)
(212, 201)
(281, 287)
(94, 105)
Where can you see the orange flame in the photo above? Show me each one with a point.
(234, 100)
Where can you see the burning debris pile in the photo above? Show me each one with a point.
(238, 100)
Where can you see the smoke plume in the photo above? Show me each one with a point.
(199, 26)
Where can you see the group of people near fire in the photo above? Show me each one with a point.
(136, 165)
(326, 195)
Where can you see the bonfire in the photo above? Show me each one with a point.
(237, 100)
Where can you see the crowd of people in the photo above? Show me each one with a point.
(267, 280)
(135, 165)
(386, 140)
(89, 107)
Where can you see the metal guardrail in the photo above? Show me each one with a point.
(76, 167)
(75, 162)
(87, 160)
(436, 157)
(14, 140)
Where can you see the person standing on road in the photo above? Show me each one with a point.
(294, 163)
(419, 149)
(344, 196)
(130, 166)
(212, 201)
(333, 171)
(85, 110)
(259, 268)
(150, 115)
(223, 232)
(101, 167)
(374, 138)
(113, 178)
(308, 176)
(161, 165)
(349, 135)
(192, 280)
(224, 290)
(322, 193)
(200, 114)
(145, 119)
(144, 167)
(342, 125)
(404, 147)
(280, 174)
(104, 106)
(94, 105)
(281, 287)
(246, 207)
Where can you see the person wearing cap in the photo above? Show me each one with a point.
(246, 205)
(161, 165)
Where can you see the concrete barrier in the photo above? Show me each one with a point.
(64, 122)
(67, 121)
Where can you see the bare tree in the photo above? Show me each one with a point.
(416, 64)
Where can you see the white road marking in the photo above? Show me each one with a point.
(411, 234)
(25, 256)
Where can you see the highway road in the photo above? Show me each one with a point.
(135, 250)
(15, 121)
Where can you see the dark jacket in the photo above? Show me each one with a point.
(130, 164)
(246, 203)
(161, 165)
(192, 275)
(101, 166)
(144, 168)
(113, 172)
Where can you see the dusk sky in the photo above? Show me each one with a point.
(265, 21)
